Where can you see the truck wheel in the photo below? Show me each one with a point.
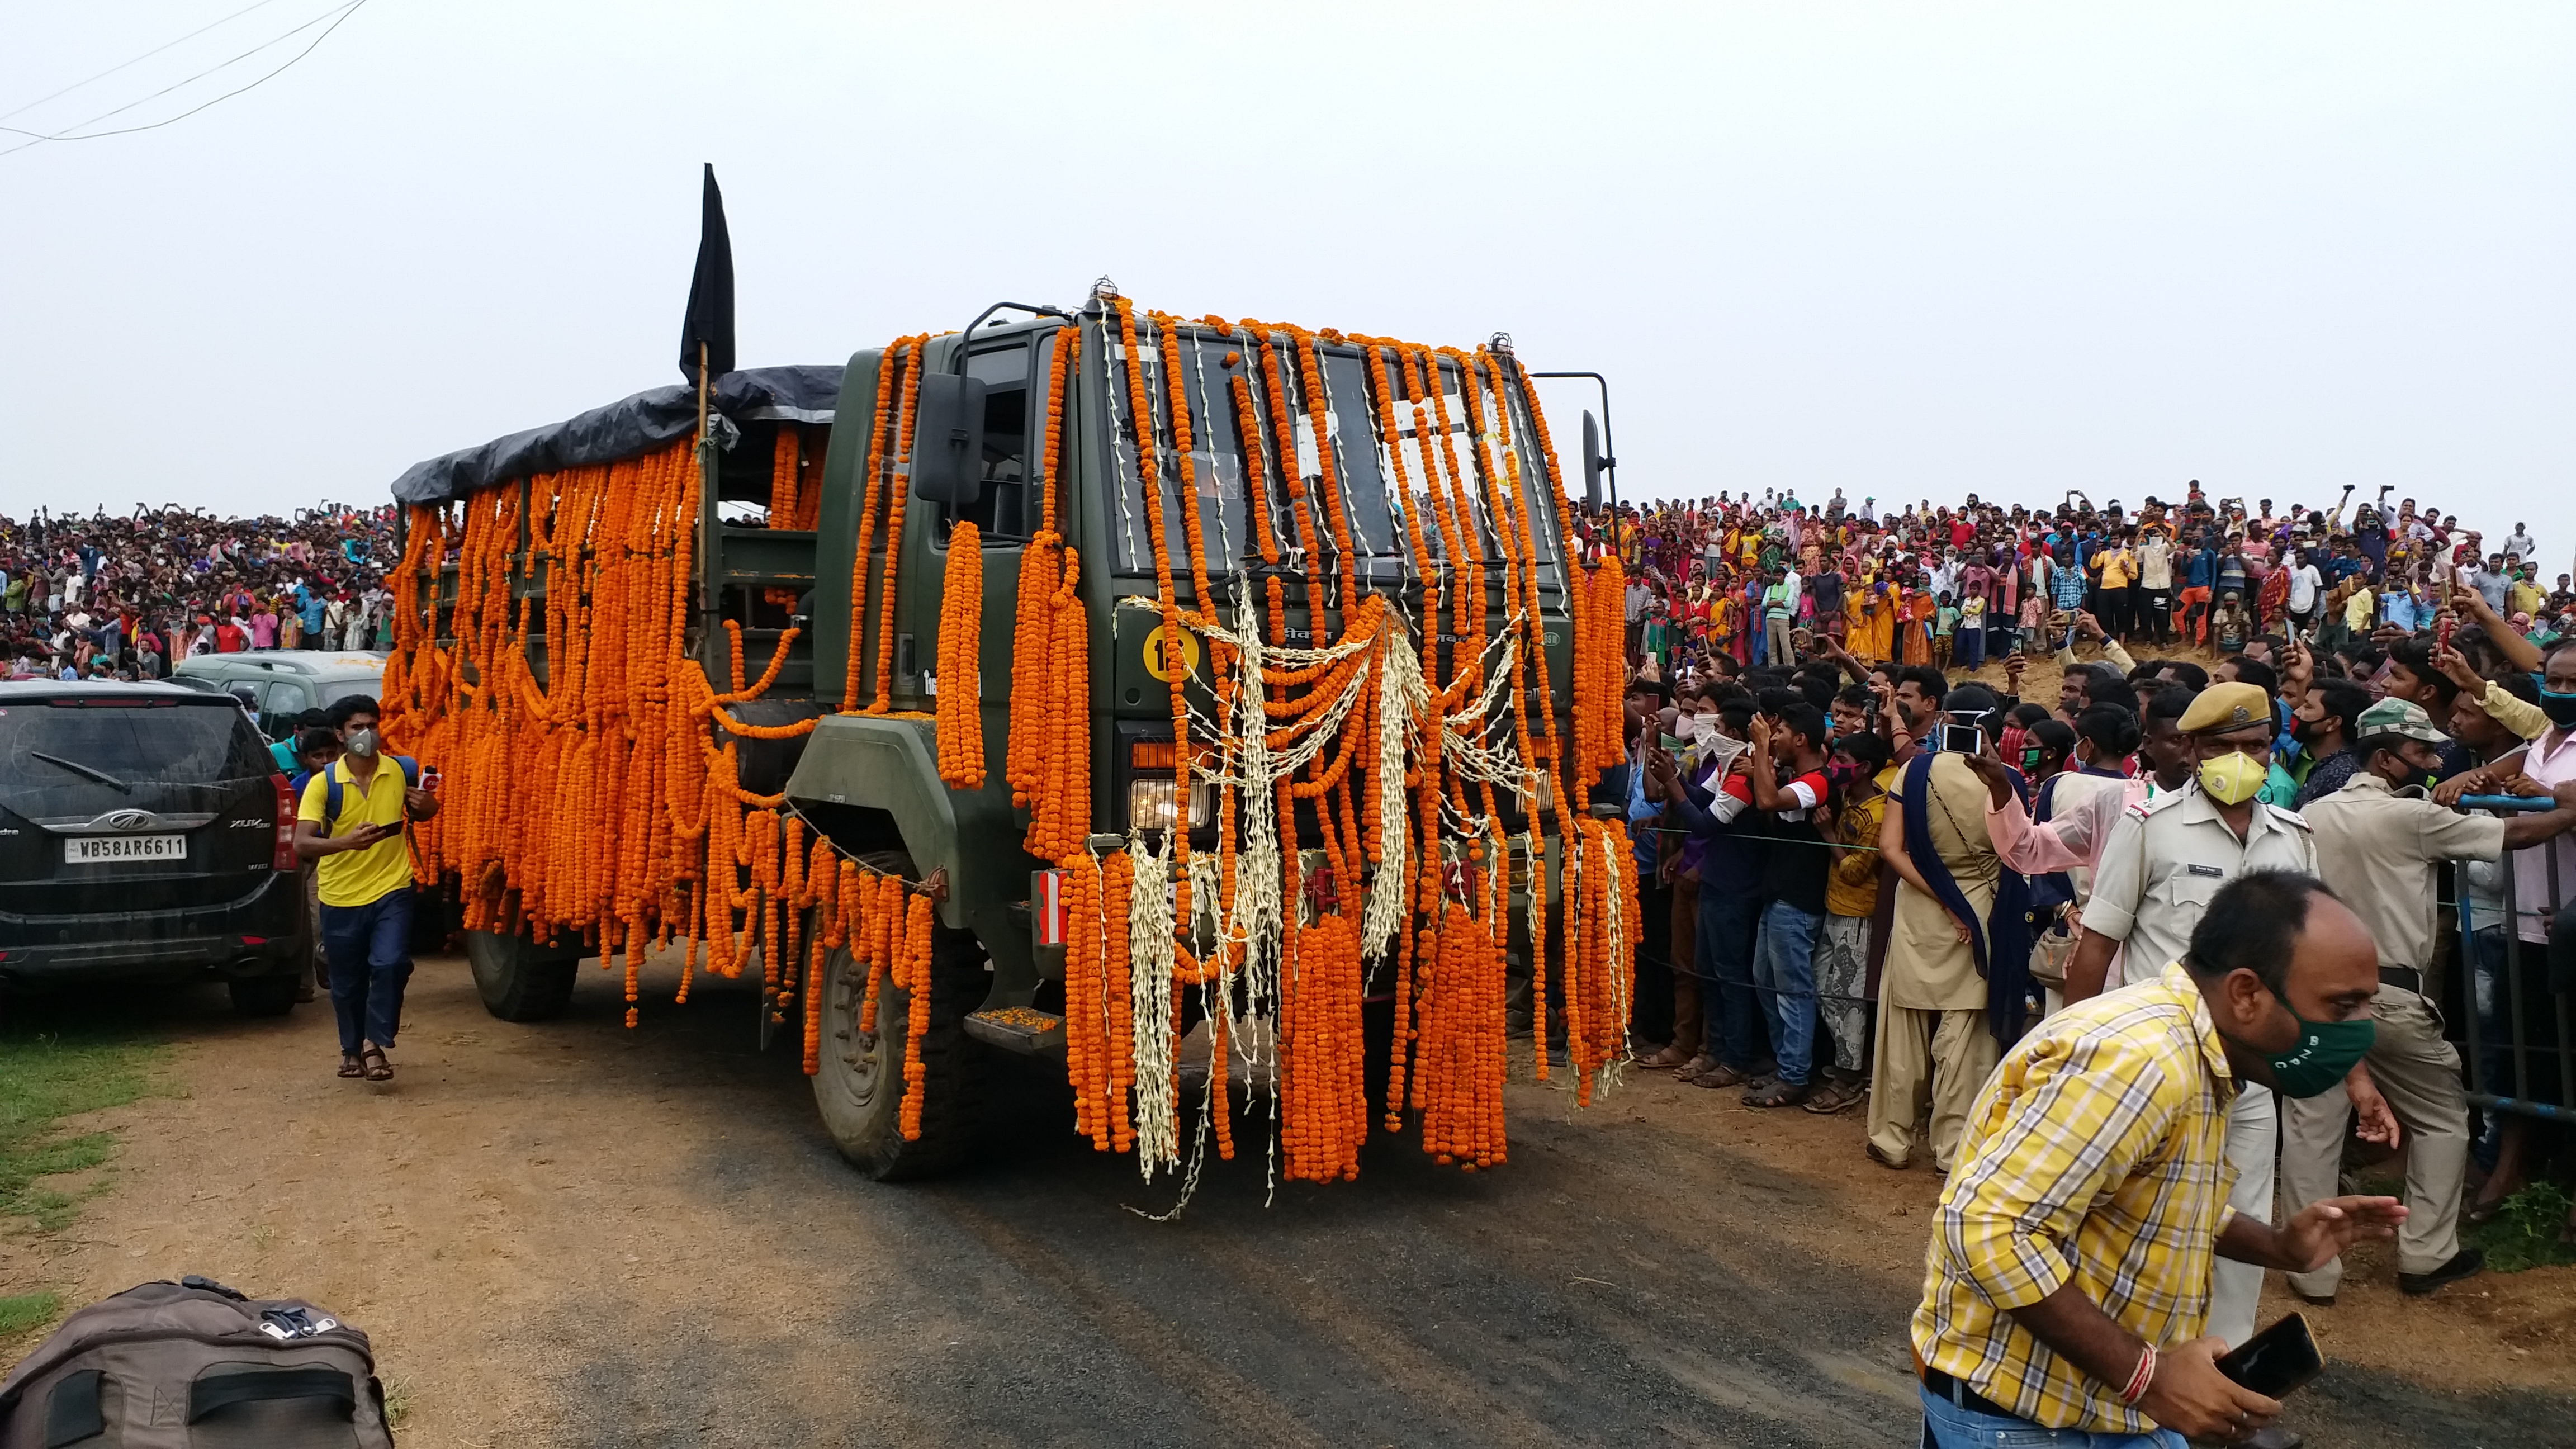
(517, 979)
(263, 995)
(859, 1086)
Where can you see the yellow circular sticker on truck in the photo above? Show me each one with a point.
(1171, 652)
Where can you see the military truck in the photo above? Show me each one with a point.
(867, 775)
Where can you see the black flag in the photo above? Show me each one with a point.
(710, 319)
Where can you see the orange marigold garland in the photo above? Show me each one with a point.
(961, 669)
(1047, 759)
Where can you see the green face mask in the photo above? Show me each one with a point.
(2322, 1057)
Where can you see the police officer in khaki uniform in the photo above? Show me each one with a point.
(2164, 861)
(2379, 840)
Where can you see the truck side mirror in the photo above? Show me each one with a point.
(1591, 462)
(948, 439)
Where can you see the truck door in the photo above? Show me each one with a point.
(1006, 512)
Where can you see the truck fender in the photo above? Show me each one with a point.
(874, 763)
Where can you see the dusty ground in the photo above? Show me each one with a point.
(574, 1234)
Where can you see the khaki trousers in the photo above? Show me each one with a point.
(2253, 1140)
(1939, 1058)
(2419, 1073)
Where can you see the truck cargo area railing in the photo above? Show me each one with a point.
(755, 574)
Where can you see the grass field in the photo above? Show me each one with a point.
(45, 1077)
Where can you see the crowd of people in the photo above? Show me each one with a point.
(1874, 871)
(126, 596)
(1749, 581)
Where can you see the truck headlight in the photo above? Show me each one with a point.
(1150, 804)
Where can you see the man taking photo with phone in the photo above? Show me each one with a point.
(2067, 1287)
(351, 822)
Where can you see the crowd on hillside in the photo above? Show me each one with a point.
(1872, 866)
(1724, 579)
(126, 596)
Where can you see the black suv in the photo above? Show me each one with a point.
(145, 837)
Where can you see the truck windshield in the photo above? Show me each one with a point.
(1362, 462)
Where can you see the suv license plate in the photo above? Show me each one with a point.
(104, 849)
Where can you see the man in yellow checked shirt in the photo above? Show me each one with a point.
(2066, 1289)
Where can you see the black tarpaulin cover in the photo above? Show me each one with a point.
(628, 429)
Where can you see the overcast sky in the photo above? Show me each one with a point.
(1905, 250)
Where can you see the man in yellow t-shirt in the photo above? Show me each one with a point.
(364, 870)
(2119, 575)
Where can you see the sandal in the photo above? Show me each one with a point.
(1777, 1094)
(378, 1069)
(1722, 1075)
(1671, 1056)
(352, 1067)
(1834, 1097)
(1690, 1070)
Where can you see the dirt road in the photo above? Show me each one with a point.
(575, 1234)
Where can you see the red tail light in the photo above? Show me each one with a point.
(285, 857)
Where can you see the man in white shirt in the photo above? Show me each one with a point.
(2519, 544)
(2305, 581)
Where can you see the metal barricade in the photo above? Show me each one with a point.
(2528, 1008)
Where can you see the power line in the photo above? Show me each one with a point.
(337, 17)
(138, 60)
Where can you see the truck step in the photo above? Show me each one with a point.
(1018, 1029)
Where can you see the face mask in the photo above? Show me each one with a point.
(2561, 708)
(360, 742)
(2030, 762)
(2322, 1057)
(2233, 778)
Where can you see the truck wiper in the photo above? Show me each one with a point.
(76, 767)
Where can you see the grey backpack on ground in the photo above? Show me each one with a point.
(191, 1365)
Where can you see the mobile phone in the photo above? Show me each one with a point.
(2277, 1360)
(1964, 739)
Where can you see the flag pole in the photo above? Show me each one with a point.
(710, 599)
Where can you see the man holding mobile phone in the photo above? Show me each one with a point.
(350, 821)
(2068, 1284)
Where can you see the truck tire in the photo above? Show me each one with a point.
(859, 1085)
(518, 979)
(263, 995)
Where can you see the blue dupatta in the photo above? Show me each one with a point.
(2001, 941)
